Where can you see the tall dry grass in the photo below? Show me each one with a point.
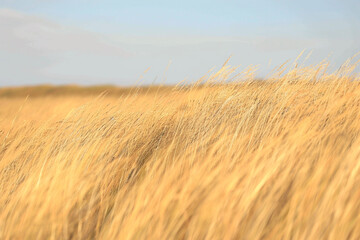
(274, 159)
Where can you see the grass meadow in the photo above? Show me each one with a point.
(227, 157)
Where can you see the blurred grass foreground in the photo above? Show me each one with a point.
(242, 159)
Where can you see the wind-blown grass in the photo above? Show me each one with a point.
(273, 159)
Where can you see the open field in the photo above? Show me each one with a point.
(274, 159)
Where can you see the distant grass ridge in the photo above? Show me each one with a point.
(75, 90)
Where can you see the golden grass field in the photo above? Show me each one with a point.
(272, 159)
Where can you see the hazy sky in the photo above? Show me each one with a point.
(114, 42)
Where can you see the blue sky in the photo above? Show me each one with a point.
(114, 42)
